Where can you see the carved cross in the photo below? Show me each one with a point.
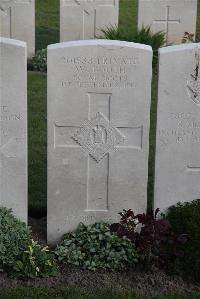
(99, 138)
(167, 21)
(193, 168)
(5, 4)
(89, 8)
(6, 11)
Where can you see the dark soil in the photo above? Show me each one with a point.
(71, 276)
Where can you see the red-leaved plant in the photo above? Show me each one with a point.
(152, 236)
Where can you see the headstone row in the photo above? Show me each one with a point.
(79, 19)
(98, 130)
(84, 19)
(99, 96)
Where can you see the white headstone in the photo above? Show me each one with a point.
(13, 127)
(98, 129)
(17, 21)
(177, 173)
(174, 17)
(83, 19)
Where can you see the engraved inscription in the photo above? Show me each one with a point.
(10, 147)
(193, 84)
(102, 71)
(5, 4)
(98, 137)
(88, 218)
(5, 114)
(185, 128)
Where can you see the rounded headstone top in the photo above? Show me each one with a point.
(14, 42)
(99, 42)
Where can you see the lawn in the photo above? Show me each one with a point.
(47, 32)
(77, 294)
(47, 23)
(37, 126)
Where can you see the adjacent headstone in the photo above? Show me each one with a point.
(83, 19)
(98, 129)
(13, 127)
(174, 17)
(177, 172)
(17, 21)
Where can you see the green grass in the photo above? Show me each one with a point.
(128, 15)
(77, 294)
(47, 32)
(47, 23)
(37, 142)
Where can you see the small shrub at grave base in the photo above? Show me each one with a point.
(19, 255)
(185, 218)
(14, 238)
(141, 36)
(39, 61)
(155, 242)
(96, 247)
(36, 261)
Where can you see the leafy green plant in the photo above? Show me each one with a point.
(185, 218)
(14, 239)
(142, 36)
(39, 61)
(36, 261)
(95, 246)
(19, 254)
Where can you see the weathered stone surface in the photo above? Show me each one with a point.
(177, 173)
(17, 21)
(98, 129)
(174, 17)
(82, 19)
(13, 127)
